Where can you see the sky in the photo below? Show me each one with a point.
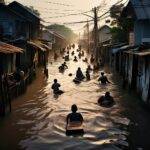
(55, 11)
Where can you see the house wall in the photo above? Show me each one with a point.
(33, 19)
(104, 34)
(143, 79)
(137, 77)
(47, 36)
(141, 31)
(8, 63)
(12, 25)
(7, 22)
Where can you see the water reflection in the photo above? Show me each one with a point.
(40, 117)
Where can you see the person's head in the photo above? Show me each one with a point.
(107, 94)
(55, 80)
(79, 68)
(74, 108)
(102, 73)
(64, 63)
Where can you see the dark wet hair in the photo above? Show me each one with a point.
(102, 73)
(79, 68)
(74, 108)
(55, 80)
(107, 93)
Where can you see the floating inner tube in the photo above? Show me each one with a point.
(70, 74)
(107, 104)
(77, 81)
(74, 129)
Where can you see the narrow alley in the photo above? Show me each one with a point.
(38, 118)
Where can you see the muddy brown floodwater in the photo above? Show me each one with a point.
(37, 121)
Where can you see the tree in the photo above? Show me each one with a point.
(118, 35)
(63, 30)
(121, 26)
(115, 11)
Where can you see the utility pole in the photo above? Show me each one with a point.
(79, 36)
(88, 38)
(95, 34)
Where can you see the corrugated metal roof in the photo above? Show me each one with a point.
(141, 8)
(56, 34)
(15, 3)
(9, 49)
(37, 44)
(45, 46)
(117, 49)
(139, 53)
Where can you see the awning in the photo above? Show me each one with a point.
(9, 49)
(122, 48)
(139, 53)
(46, 46)
(37, 45)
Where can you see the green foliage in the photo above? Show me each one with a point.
(63, 30)
(118, 35)
(124, 25)
(115, 11)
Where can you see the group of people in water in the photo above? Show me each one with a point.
(105, 100)
(62, 67)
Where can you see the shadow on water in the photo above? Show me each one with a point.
(38, 118)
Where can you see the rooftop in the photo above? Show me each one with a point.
(9, 49)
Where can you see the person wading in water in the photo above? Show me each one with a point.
(74, 122)
(56, 87)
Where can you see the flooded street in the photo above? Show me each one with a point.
(38, 119)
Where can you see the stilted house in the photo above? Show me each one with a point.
(7, 68)
(104, 44)
(136, 59)
(29, 31)
(59, 40)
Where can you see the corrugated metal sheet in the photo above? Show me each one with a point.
(8, 49)
(45, 46)
(115, 50)
(139, 53)
(37, 45)
(141, 8)
(57, 34)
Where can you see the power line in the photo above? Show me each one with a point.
(73, 14)
(62, 4)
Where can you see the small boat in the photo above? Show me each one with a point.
(74, 129)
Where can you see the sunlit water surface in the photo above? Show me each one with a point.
(38, 119)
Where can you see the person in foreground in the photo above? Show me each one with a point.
(56, 87)
(107, 100)
(74, 122)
